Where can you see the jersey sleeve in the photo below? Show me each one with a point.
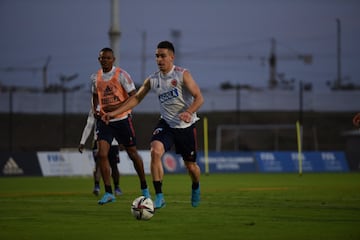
(88, 127)
(126, 81)
(93, 83)
(154, 82)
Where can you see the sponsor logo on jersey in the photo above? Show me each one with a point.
(110, 100)
(168, 95)
(108, 91)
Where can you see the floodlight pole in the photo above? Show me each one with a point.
(143, 55)
(114, 32)
(44, 72)
(301, 102)
(272, 63)
(338, 80)
(176, 35)
(11, 119)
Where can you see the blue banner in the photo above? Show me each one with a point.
(173, 163)
(228, 162)
(74, 163)
(218, 162)
(330, 161)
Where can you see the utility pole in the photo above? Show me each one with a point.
(44, 72)
(43, 69)
(143, 55)
(273, 58)
(114, 32)
(11, 120)
(176, 35)
(338, 79)
(272, 64)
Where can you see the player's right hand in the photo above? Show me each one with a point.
(81, 148)
(106, 118)
(185, 116)
(97, 115)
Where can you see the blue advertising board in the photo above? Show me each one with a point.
(173, 163)
(218, 162)
(73, 163)
(228, 162)
(276, 162)
(287, 161)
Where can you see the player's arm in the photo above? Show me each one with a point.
(194, 89)
(86, 131)
(116, 106)
(94, 105)
(131, 102)
(133, 92)
(95, 98)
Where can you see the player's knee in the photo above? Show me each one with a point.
(191, 166)
(156, 153)
(190, 158)
(113, 167)
(132, 155)
(102, 155)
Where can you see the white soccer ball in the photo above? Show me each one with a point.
(142, 208)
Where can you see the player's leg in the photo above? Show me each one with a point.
(125, 135)
(104, 139)
(139, 168)
(104, 147)
(186, 144)
(103, 151)
(96, 173)
(114, 159)
(161, 141)
(194, 172)
(97, 177)
(157, 171)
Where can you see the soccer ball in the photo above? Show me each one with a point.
(142, 208)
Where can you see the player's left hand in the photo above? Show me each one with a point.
(81, 148)
(185, 116)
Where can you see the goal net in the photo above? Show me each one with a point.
(274, 137)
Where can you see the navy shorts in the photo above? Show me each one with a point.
(122, 130)
(184, 139)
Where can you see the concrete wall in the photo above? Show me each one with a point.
(215, 100)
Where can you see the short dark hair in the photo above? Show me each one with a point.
(107, 49)
(167, 45)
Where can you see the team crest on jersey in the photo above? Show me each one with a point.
(174, 82)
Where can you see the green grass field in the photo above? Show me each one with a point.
(234, 206)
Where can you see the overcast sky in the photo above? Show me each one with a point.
(221, 40)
